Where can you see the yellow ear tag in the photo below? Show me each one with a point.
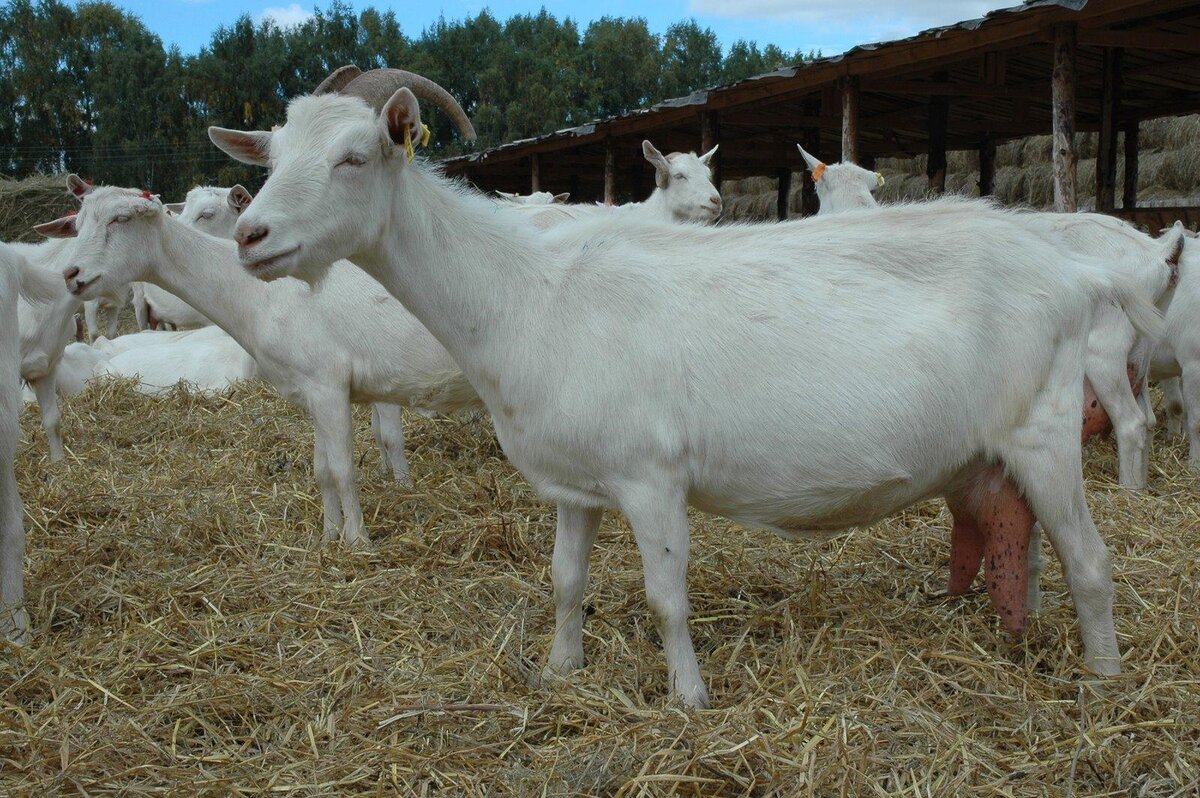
(408, 143)
(879, 176)
(818, 172)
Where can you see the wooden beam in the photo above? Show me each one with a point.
(1130, 191)
(811, 141)
(1139, 40)
(710, 136)
(783, 194)
(850, 120)
(535, 173)
(943, 88)
(939, 117)
(1063, 141)
(1106, 150)
(987, 167)
(610, 173)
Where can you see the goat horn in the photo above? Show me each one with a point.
(338, 79)
(378, 85)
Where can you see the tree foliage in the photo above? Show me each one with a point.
(88, 88)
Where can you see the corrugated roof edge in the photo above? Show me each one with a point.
(701, 96)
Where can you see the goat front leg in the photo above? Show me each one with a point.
(91, 315)
(334, 428)
(387, 423)
(1190, 389)
(47, 399)
(573, 542)
(331, 506)
(14, 619)
(660, 526)
(1113, 396)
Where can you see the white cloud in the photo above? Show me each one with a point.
(285, 17)
(862, 20)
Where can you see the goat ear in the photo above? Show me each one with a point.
(400, 113)
(562, 198)
(247, 146)
(174, 207)
(662, 169)
(813, 163)
(706, 158)
(59, 228)
(239, 198)
(77, 186)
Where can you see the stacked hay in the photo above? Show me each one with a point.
(24, 203)
(1168, 169)
(191, 637)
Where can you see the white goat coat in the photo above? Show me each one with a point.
(1177, 356)
(211, 365)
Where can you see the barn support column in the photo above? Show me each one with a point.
(784, 193)
(939, 118)
(710, 136)
(1106, 153)
(1130, 192)
(610, 173)
(987, 167)
(811, 140)
(850, 119)
(1063, 98)
(535, 173)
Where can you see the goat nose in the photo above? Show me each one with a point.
(71, 273)
(248, 236)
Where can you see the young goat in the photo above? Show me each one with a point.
(801, 377)
(683, 192)
(349, 342)
(1176, 359)
(14, 621)
(842, 186)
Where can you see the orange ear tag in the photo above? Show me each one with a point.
(818, 172)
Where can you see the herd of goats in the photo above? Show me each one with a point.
(804, 377)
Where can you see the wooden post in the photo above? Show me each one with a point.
(535, 173)
(710, 136)
(939, 118)
(1063, 94)
(850, 119)
(987, 167)
(1106, 151)
(1130, 192)
(784, 194)
(811, 139)
(610, 173)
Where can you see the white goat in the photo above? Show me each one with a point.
(803, 377)
(46, 313)
(1176, 359)
(842, 186)
(1114, 348)
(321, 350)
(211, 364)
(683, 192)
(14, 620)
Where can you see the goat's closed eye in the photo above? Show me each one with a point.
(352, 159)
(120, 219)
(679, 177)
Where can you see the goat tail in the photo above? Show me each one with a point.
(1138, 305)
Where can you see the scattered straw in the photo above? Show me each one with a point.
(24, 203)
(190, 637)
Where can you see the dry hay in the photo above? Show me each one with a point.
(190, 639)
(24, 203)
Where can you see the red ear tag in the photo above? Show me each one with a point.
(88, 182)
(818, 172)
(146, 195)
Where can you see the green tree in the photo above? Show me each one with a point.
(691, 59)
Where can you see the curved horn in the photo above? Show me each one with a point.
(338, 79)
(378, 85)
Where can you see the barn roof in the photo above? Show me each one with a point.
(993, 73)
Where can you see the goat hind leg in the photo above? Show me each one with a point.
(573, 541)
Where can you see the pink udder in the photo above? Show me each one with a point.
(992, 526)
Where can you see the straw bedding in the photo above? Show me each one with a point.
(192, 637)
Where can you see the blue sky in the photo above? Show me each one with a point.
(831, 26)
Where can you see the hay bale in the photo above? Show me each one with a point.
(24, 203)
